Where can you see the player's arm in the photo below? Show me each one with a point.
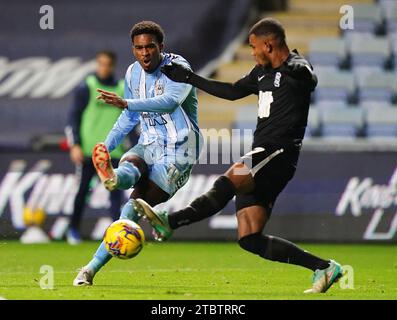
(173, 96)
(123, 126)
(125, 123)
(72, 130)
(230, 91)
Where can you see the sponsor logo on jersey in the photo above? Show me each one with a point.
(277, 79)
(159, 89)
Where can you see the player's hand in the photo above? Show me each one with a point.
(112, 98)
(176, 72)
(76, 154)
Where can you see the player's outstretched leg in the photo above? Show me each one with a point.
(201, 208)
(124, 177)
(101, 257)
(251, 222)
(326, 272)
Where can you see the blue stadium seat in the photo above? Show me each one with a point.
(367, 17)
(342, 122)
(334, 85)
(391, 20)
(327, 51)
(389, 11)
(382, 123)
(313, 122)
(376, 86)
(387, 4)
(246, 118)
(326, 104)
(379, 105)
(393, 44)
(368, 50)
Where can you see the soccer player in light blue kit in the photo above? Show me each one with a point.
(169, 143)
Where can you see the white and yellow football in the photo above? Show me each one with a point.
(124, 239)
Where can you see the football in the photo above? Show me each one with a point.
(124, 239)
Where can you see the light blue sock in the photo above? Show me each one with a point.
(102, 256)
(127, 175)
(128, 212)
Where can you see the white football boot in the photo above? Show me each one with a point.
(85, 277)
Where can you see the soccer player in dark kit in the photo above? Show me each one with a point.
(283, 81)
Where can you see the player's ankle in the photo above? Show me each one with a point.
(92, 268)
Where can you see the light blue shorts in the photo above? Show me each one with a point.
(169, 166)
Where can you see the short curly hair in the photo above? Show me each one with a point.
(147, 27)
(269, 26)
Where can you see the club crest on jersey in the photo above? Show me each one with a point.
(158, 89)
(277, 79)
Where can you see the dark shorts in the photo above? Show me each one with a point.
(272, 166)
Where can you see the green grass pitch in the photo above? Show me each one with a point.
(177, 270)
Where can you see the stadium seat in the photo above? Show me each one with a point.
(247, 125)
(391, 20)
(376, 86)
(393, 44)
(246, 117)
(334, 85)
(367, 18)
(324, 69)
(379, 105)
(331, 104)
(387, 4)
(313, 123)
(368, 50)
(341, 122)
(327, 51)
(382, 123)
(389, 11)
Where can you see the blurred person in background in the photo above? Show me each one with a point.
(90, 120)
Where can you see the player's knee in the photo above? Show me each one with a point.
(129, 158)
(251, 243)
(137, 162)
(240, 175)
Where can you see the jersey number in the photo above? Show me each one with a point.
(265, 101)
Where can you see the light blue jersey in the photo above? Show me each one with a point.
(170, 138)
(166, 110)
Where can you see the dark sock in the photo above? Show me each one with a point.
(206, 205)
(281, 250)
